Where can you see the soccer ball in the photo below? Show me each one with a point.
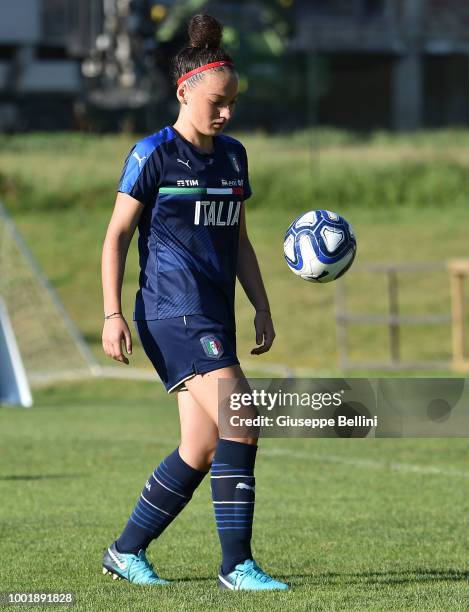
(320, 246)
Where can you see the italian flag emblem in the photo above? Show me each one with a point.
(212, 346)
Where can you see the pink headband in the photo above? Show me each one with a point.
(188, 75)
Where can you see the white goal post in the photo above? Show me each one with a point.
(14, 386)
(34, 325)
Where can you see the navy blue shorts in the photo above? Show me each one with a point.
(181, 347)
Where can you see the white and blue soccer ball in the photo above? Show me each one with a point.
(320, 246)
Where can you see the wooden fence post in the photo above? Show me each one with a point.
(394, 336)
(458, 270)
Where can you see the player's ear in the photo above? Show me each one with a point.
(181, 94)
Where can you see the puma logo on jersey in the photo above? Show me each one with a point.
(242, 485)
(216, 213)
(139, 159)
(147, 486)
(187, 163)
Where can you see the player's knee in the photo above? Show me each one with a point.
(207, 455)
(199, 457)
(211, 454)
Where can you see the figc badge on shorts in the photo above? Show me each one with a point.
(212, 346)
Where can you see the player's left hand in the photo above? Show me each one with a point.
(265, 332)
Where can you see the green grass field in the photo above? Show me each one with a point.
(353, 524)
(406, 197)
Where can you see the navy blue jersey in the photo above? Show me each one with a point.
(189, 227)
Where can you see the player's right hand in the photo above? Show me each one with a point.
(116, 333)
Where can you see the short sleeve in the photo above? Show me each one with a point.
(141, 174)
(247, 185)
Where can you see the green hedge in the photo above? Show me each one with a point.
(322, 169)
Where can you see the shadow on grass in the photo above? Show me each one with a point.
(210, 578)
(386, 577)
(39, 476)
(354, 578)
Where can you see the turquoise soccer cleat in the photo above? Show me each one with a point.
(134, 568)
(248, 576)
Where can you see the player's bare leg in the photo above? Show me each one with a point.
(199, 433)
(205, 391)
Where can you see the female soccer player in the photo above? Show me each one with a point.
(185, 188)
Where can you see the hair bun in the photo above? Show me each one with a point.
(205, 31)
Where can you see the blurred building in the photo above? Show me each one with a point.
(399, 64)
(60, 58)
(42, 43)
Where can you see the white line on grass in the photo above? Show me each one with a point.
(394, 466)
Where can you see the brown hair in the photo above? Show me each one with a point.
(205, 34)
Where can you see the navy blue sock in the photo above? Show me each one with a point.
(233, 494)
(165, 494)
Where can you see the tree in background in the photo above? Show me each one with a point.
(257, 33)
(128, 67)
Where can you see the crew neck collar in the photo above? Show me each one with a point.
(193, 147)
